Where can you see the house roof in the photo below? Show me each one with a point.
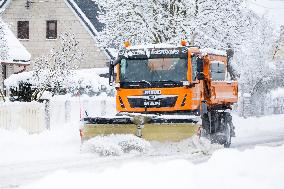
(87, 11)
(3, 5)
(17, 53)
(90, 9)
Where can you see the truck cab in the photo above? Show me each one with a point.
(169, 79)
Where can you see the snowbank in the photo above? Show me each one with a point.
(19, 146)
(116, 145)
(262, 167)
(258, 130)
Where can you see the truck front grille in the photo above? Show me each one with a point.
(159, 101)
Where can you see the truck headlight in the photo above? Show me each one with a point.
(117, 85)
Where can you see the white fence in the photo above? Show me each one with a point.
(24, 115)
(65, 110)
(35, 117)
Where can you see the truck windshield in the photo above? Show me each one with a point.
(161, 69)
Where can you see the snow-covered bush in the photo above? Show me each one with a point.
(23, 86)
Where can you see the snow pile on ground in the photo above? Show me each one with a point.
(116, 145)
(19, 146)
(258, 130)
(262, 167)
(193, 148)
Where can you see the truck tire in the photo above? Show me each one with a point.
(221, 128)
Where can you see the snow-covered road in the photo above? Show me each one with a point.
(48, 159)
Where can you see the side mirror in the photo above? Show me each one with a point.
(200, 67)
(111, 73)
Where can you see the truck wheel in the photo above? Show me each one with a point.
(228, 136)
(225, 129)
(221, 128)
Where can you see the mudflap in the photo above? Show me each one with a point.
(148, 127)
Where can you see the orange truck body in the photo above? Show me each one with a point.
(221, 93)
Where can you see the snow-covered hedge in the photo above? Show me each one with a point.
(86, 81)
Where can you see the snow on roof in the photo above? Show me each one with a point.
(17, 53)
(149, 46)
(213, 51)
(3, 5)
(113, 52)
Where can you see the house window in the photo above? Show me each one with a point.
(51, 29)
(23, 29)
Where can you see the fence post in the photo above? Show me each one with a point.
(47, 113)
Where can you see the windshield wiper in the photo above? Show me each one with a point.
(144, 81)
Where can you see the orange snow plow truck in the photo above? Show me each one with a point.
(169, 93)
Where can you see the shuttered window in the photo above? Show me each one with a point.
(23, 29)
(51, 29)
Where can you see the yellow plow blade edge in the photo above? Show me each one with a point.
(157, 132)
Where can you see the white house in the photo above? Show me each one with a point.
(38, 24)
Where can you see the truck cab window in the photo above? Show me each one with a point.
(217, 71)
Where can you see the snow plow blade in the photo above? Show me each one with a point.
(148, 128)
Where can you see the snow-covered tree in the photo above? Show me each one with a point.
(218, 24)
(53, 71)
(141, 21)
(215, 23)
